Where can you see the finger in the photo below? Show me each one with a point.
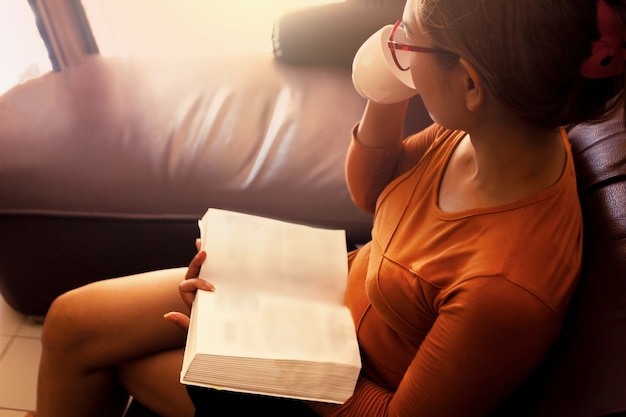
(179, 319)
(193, 271)
(198, 244)
(193, 284)
(189, 287)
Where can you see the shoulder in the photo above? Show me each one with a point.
(434, 138)
(435, 135)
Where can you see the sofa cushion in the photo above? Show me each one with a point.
(331, 34)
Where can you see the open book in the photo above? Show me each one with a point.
(276, 324)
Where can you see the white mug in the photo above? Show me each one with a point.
(375, 75)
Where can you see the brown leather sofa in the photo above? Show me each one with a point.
(106, 167)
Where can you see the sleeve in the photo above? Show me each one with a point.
(369, 170)
(489, 336)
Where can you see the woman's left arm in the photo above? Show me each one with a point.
(489, 336)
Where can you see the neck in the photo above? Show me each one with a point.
(503, 164)
(515, 153)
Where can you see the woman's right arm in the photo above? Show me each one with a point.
(373, 152)
(378, 154)
(382, 125)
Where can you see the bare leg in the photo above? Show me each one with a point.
(90, 331)
(150, 377)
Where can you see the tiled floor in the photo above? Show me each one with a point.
(19, 359)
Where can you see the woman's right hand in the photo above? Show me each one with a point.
(192, 283)
(188, 288)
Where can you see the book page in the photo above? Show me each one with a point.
(272, 255)
(244, 323)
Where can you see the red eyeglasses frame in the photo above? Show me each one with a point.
(395, 45)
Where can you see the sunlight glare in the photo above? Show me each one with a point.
(22, 50)
(199, 27)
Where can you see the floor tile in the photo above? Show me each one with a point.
(18, 374)
(4, 343)
(30, 328)
(11, 413)
(10, 320)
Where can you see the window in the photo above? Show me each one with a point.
(153, 28)
(23, 54)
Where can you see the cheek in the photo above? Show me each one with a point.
(425, 80)
(423, 71)
(415, 71)
(433, 93)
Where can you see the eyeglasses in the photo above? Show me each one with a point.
(400, 50)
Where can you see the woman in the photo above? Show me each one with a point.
(476, 244)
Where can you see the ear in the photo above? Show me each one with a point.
(473, 86)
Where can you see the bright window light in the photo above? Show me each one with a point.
(188, 27)
(22, 52)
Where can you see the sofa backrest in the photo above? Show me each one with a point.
(588, 375)
(585, 374)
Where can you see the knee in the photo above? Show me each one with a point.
(68, 324)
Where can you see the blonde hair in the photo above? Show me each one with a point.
(528, 53)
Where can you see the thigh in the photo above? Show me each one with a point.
(153, 381)
(217, 403)
(115, 320)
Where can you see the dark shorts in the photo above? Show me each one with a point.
(215, 403)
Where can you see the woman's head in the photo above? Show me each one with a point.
(528, 53)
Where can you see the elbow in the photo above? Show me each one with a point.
(362, 200)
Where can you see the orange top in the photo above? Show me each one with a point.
(453, 310)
